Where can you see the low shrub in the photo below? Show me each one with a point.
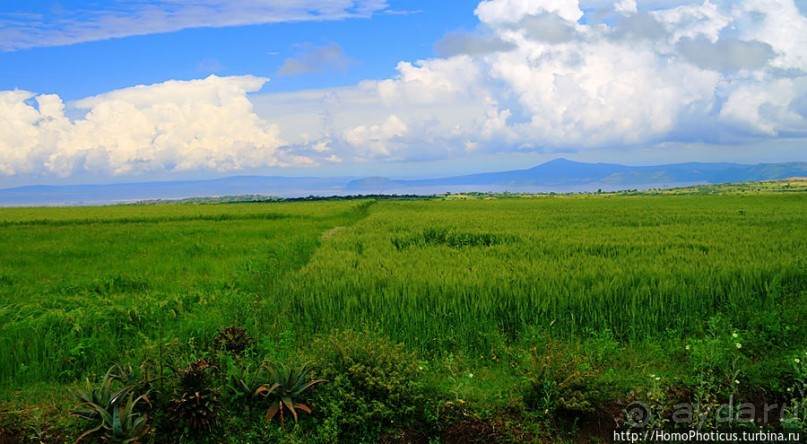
(373, 387)
(233, 339)
(561, 382)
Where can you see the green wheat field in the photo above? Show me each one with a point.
(450, 319)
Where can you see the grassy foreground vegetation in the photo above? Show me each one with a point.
(528, 319)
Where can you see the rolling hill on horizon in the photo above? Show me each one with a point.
(562, 172)
(559, 175)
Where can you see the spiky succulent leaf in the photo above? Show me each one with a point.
(301, 376)
(303, 407)
(272, 411)
(83, 396)
(290, 405)
(267, 391)
(89, 432)
(307, 386)
(89, 415)
(117, 427)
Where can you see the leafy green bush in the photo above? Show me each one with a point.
(795, 411)
(717, 374)
(561, 382)
(373, 386)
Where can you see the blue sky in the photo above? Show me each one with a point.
(374, 45)
(132, 90)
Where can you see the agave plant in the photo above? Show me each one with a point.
(287, 386)
(246, 386)
(116, 411)
(196, 404)
(233, 339)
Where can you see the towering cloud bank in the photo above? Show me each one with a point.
(173, 126)
(537, 75)
(544, 74)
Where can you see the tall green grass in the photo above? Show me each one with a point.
(81, 288)
(443, 276)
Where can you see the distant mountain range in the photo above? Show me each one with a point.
(559, 175)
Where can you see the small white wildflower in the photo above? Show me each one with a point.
(658, 379)
(797, 360)
(738, 345)
(734, 335)
(420, 367)
(470, 375)
(653, 375)
(736, 381)
(687, 347)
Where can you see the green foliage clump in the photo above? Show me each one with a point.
(455, 239)
(717, 361)
(233, 339)
(795, 412)
(561, 381)
(373, 386)
(114, 409)
(195, 405)
(244, 386)
(287, 387)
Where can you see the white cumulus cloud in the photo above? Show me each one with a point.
(538, 76)
(780, 24)
(765, 108)
(497, 12)
(694, 20)
(377, 139)
(206, 124)
(428, 82)
(711, 71)
(600, 94)
(626, 7)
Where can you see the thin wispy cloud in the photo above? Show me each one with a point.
(471, 43)
(210, 66)
(315, 59)
(29, 26)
